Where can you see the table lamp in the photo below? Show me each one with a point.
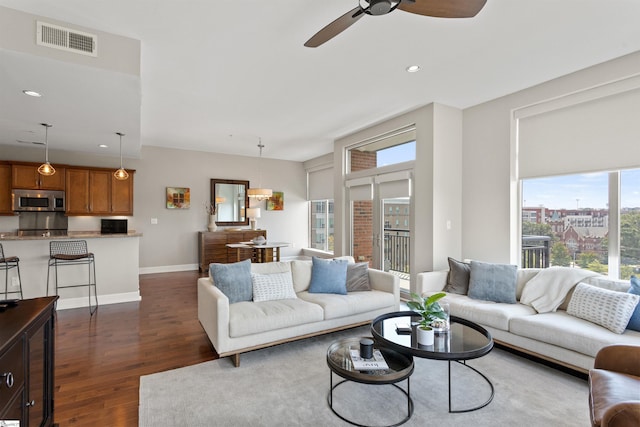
(253, 214)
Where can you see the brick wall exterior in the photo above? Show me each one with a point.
(363, 211)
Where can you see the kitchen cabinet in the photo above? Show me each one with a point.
(27, 362)
(26, 176)
(5, 189)
(212, 246)
(97, 192)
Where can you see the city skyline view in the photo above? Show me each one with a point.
(581, 191)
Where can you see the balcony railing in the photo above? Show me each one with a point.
(396, 250)
(536, 251)
(397, 243)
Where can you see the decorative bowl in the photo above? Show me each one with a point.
(260, 240)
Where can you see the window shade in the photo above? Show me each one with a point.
(392, 185)
(320, 184)
(360, 189)
(596, 135)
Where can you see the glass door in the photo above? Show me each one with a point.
(381, 223)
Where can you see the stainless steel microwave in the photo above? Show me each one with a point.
(37, 200)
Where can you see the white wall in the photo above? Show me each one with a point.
(489, 197)
(172, 243)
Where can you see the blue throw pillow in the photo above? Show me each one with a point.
(634, 321)
(493, 282)
(234, 280)
(328, 276)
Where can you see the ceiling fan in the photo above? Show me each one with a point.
(435, 8)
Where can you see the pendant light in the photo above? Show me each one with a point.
(259, 193)
(121, 174)
(46, 169)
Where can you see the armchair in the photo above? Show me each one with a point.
(614, 387)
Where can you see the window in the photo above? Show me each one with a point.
(390, 149)
(321, 212)
(566, 222)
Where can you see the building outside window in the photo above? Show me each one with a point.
(574, 213)
(321, 212)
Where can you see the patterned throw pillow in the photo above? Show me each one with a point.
(634, 322)
(271, 287)
(603, 307)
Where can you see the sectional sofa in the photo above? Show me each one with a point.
(544, 324)
(235, 328)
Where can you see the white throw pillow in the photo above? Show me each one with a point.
(270, 287)
(603, 307)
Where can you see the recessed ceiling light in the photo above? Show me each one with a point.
(413, 68)
(103, 146)
(32, 93)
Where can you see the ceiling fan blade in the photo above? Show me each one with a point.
(335, 28)
(29, 142)
(443, 8)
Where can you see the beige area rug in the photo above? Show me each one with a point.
(287, 385)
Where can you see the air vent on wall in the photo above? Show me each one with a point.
(66, 39)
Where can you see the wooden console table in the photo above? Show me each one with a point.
(266, 252)
(212, 246)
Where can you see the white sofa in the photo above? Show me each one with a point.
(248, 325)
(555, 336)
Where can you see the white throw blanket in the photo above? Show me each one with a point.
(546, 291)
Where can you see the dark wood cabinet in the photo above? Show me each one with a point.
(27, 362)
(5, 189)
(212, 246)
(27, 176)
(97, 192)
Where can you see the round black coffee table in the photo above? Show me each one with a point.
(465, 340)
(340, 363)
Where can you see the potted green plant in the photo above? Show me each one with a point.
(431, 312)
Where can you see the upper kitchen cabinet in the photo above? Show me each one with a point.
(27, 176)
(97, 192)
(5, 189)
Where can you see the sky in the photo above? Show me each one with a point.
(581, 191)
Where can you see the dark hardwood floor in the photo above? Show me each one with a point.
(99, 359)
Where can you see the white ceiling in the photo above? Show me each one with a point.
(218, 74)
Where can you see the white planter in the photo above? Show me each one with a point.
(425, 336)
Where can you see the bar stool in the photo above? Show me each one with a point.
(6, 264)
(73, 252)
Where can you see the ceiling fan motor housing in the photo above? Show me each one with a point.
(379, 7)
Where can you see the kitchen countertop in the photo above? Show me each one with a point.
(70, 235)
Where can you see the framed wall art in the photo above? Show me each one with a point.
(276, 201)
(178, 198)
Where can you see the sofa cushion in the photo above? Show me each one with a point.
(358, 277)
(270, 267)
(604, 307)
(572, 333)
(488, 313)
(493, 282)
(234, 280)
(270, 287)
(458, 277)
(634, 321)
(336, 306)
(546, 291)
(328, 276)
(247, 318)
(301, 274)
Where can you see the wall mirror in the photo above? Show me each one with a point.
(231, 199)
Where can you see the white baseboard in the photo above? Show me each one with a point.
(68, 303)
(168, 268)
